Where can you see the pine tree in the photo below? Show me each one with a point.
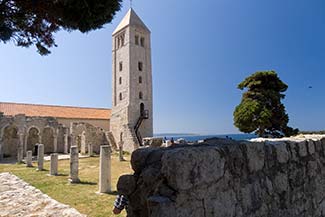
(33, 22)
(261, 110)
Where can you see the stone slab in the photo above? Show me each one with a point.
(18, 198)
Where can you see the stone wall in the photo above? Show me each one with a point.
(104, 124)
(85, 134)
(267, 178)
(23, 132)
(20, 133)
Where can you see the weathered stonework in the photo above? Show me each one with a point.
(90, 150)
(74, 165)
(40, 157)
(105, 183)
(1, 152)
(21, 133)
(54, 164)
(131, 82)
(29, 159)
(84, 134)
(18, 198)
(66, 142)
(263, 178)
(83, 143)
(121, 152)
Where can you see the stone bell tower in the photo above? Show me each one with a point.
(131, 118)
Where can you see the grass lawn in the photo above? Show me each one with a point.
(81, 196)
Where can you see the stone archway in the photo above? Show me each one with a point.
(10, 141)
(32, 139)
(48, 140)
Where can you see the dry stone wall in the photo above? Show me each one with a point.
(265, 178)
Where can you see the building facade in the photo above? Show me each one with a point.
(65, 115)
(132, 109)
(23, 126)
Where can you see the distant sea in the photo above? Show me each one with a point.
(194, 137)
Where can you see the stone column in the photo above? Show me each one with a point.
(121, 151)
(90, 150)
(20, 150)
(74, 165)
(1, 152)
(66, 143)
(54, 164)
(83, 143)
(19, 155)
(73, 141)
(29, 158)
(40, 157)
(55, 143)
(105, 169)
(25, 145)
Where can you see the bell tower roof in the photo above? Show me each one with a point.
(130, 19)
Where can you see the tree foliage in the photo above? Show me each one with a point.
(33, 22)
(261, 110)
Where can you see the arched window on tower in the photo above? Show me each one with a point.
(140, 80)
(137, 40)
(140, 66)
(141, 109)
(140, 95)
(120, 96)
(120, 80)
(120, 40)
(121, 66)
(142, 41)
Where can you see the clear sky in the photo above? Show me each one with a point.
(201, 50)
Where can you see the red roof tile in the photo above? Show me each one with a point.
(54, 111)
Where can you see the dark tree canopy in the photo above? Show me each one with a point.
(261, 110)
(33, 22)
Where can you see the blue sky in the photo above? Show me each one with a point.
(200, 52)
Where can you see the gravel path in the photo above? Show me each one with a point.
(18, 198)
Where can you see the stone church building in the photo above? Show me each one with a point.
(23, 126)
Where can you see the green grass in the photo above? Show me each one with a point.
(81, 196)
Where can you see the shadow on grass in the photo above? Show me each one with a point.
(86, 183)
(60, 174)
(43, 170)
(113, 193)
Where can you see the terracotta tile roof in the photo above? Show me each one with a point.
(54, 111)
